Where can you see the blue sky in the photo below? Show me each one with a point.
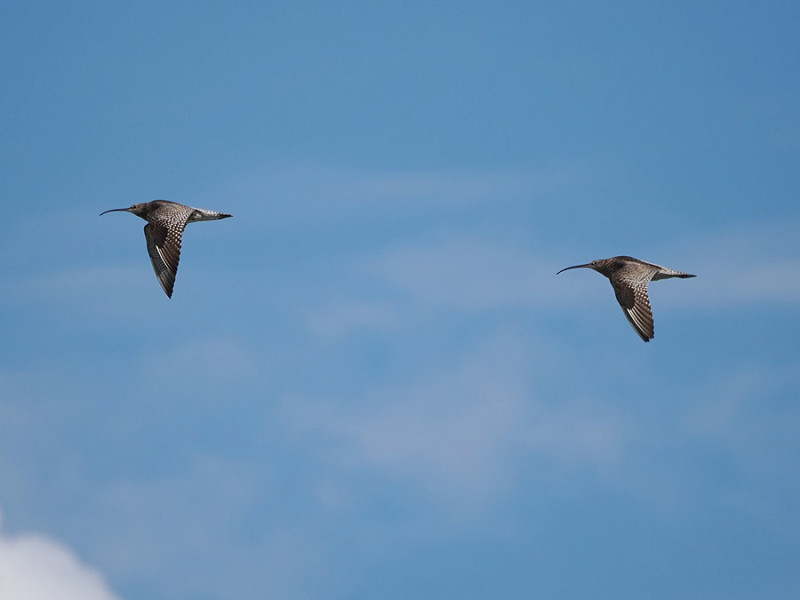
(370, 383)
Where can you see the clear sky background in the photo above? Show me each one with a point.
(370, 383)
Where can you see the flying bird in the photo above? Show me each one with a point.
(165, 224)
(630, 277)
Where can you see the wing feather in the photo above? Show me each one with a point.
(164, 248)
(632, 297)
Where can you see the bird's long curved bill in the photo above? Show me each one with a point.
(114, 210)
(586, 266)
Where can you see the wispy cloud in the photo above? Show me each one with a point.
(457, 435)
(338, 317)
(747, 264)
(292, 194)
(468, 272)
(408, 283)
(749, 417)
(74, 285)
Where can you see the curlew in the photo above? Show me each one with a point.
(630, 277)
(164, 230)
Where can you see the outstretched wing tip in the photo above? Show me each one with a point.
(165, 253)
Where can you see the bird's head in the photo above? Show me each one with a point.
(604, 266)
(595, 264)
(136, 209)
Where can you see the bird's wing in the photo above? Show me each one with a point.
(632, 297)
(164, 248)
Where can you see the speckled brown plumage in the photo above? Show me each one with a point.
(630, 277)
(164, 231)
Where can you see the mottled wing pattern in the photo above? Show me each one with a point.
(163, 235)
(632, 297)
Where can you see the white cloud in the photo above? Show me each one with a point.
(35, 567)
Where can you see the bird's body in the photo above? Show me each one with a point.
(164, 231)
(630, 277)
